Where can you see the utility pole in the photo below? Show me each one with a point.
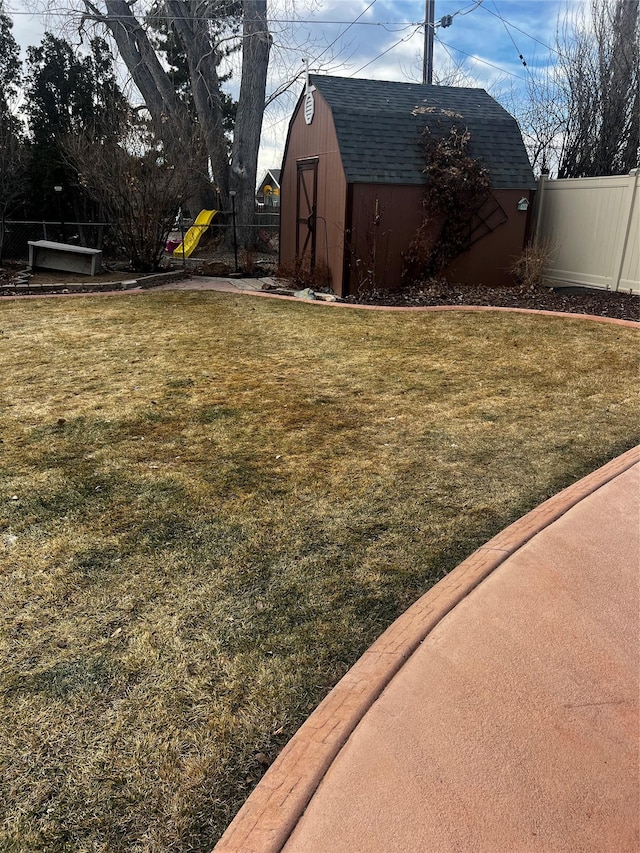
(427, 59)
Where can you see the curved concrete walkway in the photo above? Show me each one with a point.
(499, 713)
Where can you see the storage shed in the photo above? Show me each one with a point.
(352, 182)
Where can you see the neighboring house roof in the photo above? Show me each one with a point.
(271, 176)
(379, 125)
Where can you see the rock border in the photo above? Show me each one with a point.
(25, 287)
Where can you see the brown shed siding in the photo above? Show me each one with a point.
(398, 212)
(384, 221)
(488, 261)
(306, 142)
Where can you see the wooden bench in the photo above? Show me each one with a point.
(44, 254)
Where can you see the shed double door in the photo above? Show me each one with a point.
(306, 212)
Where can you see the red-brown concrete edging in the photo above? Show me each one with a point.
(219, 288)
(267, 819)
(633, 324)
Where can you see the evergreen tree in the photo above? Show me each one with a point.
(66, 94)
(12, 150)
(10, 69)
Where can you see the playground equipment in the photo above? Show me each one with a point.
(193, 235)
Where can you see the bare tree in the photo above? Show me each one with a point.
(579, 114)
(209, 32)
(541, 111)
(600, 78)
(200, 27)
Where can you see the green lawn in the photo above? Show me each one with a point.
(211, 505)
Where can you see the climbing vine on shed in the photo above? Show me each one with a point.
(456, 189)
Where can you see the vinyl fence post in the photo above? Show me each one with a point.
(537, 224)
(631, 195)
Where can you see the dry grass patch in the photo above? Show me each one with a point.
(210, 506)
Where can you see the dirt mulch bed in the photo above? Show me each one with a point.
(602, 303)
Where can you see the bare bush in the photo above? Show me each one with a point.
(138, 188)
(457, 187)
(318, 278)
(529, 268)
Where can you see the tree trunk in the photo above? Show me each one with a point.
(203, 59)
(248, 127)
(169, 114)
(143, 64)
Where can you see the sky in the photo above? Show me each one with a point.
(384, 40)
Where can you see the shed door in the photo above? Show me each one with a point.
(306, 209)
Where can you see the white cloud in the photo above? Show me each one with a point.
(487, 50)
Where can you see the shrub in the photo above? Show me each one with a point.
(138, 188)
(529, 268)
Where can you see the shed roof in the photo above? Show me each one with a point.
(379, 125)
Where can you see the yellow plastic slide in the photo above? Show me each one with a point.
(193, 235)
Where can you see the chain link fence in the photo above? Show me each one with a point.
(216, 242)
(93, 235)
(225, 240)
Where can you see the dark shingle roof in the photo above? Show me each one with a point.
(275, 174)
(379, 125)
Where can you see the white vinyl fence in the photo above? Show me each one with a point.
(592, 228)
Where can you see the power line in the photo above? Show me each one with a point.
(448, 52)
(447, 20)
(506, 24)
(348, 24)
(497, 14)
(468, 11)
(283, 87)
(319, 22)
(340, 35)
(478, 59)
(429, 31)
(508, 31)
(380, 55)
